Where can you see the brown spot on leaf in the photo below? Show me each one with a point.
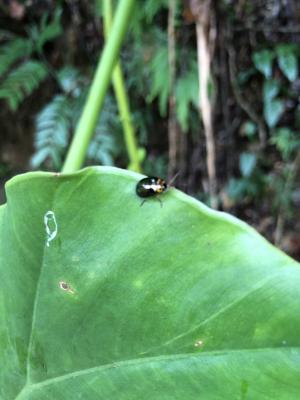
(65, 286)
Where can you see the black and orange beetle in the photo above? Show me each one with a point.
(152, 186)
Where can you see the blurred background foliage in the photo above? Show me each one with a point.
(48, 53)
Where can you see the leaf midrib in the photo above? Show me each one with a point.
(134, 362)
(35, 303)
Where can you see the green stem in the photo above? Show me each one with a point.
(122, 98)
(88, 120)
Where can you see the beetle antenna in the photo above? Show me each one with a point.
(172, 180)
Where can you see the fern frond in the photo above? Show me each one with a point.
(21, 82)
(53, 127)
(13, 51)
(159, 72)
(187, 94)
(107, 142)
(47, 30)
(70, 80)
(145, 15)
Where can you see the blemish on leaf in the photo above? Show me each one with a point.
(138, 283)
(65, 286)
(244, 389)
(51, 226)
(198, 343)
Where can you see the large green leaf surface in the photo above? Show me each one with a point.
(101, 298)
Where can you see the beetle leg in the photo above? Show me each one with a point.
(143, 202)
(161, 203)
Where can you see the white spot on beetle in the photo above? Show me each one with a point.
(51, 226)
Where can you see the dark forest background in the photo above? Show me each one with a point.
(238, 152)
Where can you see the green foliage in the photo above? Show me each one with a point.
(144, 16)
(4, 170)
(286, 141)
(47, 29)
(273, 111)
(286, 55)
(70, 80)
(263, 61)
(107, 144)
(159, 73)
(56, 122)
(281, 186)
(186, 84)
(271, 89)
(287, 58)
(256, 182)
(187, 94)
(13, 50)
(87, 313)
(252, 183)
(20, 74)
(21, 82)
(244, 76)
(273, 107)
(288, 61)
(249, 129)
(247, 163)
(53, 129)
(151, 8)
(150, 80)
(103, 149)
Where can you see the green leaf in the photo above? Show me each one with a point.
(287, 60)
(263, 61)
(187, 94)
(273, 108)
(69, 79)
(273, 111)
(53, 127)
(47, 30)
(286, 141)
(99, 301)
(159, 72)
(106, 145)
(244, 76)
(237, 188)
(21, 82)
(249, 129)
(12, 51)
(271, 88)
(247, 163)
